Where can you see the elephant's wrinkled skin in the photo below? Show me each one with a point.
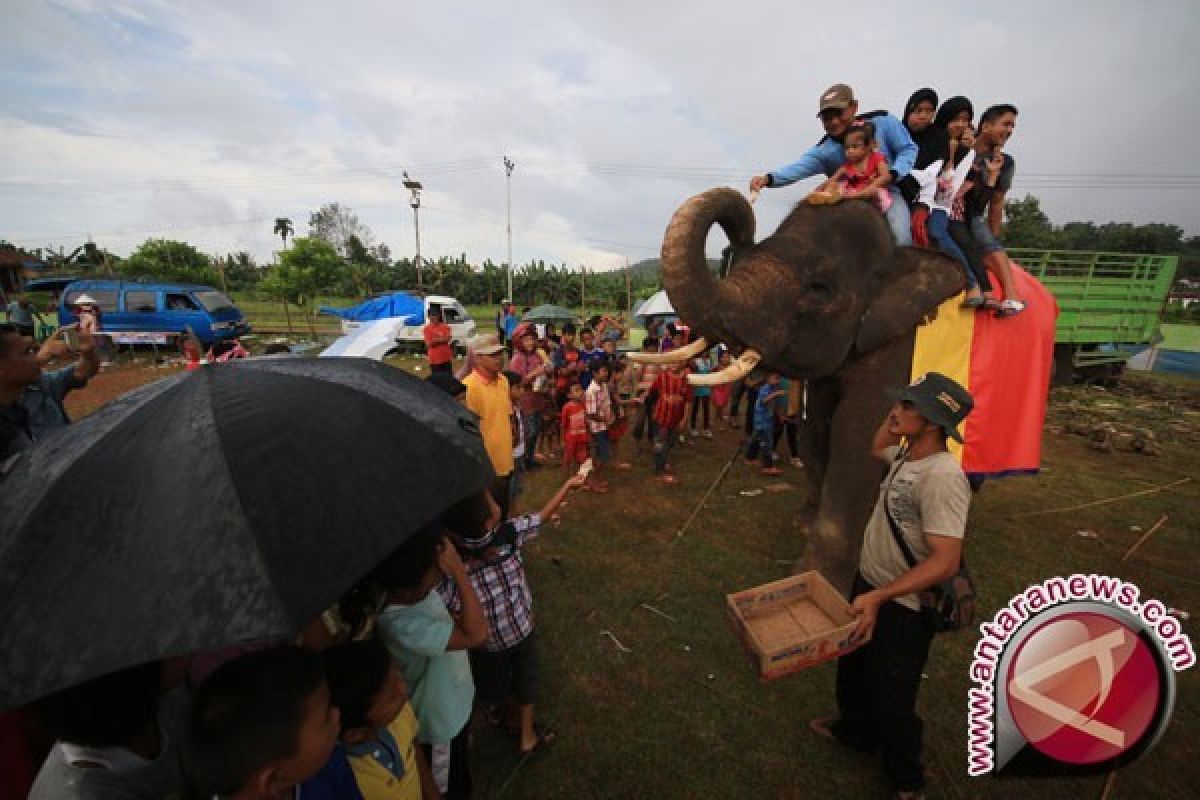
(829, 299)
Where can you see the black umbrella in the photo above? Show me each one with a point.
(228, 504)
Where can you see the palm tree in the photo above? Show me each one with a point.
(283, 227)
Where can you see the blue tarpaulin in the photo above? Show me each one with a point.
(396, 304)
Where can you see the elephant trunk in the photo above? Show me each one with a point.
(697, 296)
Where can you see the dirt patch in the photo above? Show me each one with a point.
(111, 383)
(1137, 415)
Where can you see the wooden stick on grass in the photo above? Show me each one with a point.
(1161, 521)
(1108, 785)
(1105, 501)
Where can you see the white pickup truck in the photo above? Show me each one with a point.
(380, 337)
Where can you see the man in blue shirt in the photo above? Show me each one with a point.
(838, 110)
(510, 322)
(31, 401)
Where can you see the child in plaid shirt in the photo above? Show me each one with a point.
(506, 665)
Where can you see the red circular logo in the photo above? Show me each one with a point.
(1083, 688)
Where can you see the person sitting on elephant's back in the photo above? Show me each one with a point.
(865, 173)
(933, 147)
(838, 110)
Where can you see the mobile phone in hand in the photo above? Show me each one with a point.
(585, 468)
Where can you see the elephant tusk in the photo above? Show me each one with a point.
(738, 369)
(671, 356)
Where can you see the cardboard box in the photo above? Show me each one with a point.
(792, 624)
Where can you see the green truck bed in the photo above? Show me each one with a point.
(1108, 302)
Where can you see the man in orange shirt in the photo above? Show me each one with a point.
(437, 343)
(488, 397)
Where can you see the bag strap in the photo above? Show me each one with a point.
(897, 462)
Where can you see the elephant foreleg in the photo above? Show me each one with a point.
(818, 401)
(850, 484)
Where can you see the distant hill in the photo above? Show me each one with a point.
(650, 269)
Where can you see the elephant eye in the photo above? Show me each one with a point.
(819, 290)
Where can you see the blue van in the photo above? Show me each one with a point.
(143, 307)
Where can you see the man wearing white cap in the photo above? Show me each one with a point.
(488, 396)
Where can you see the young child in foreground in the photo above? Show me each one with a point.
(117, 736)
(430, 646)
(506, 665)
(260, 725)
(377, 757)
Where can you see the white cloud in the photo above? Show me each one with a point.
(205, 121)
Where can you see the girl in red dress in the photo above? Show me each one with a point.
(866, 173)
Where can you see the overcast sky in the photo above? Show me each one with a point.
(205, 121)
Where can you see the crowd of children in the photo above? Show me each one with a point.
(576, 396)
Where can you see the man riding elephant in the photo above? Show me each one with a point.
(838, 110)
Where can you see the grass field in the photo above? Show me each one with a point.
(268, 316)
(682, 715)
(1181, 337)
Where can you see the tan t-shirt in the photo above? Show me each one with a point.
(929, 496)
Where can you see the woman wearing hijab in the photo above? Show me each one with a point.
(946, 224)
(918, 186)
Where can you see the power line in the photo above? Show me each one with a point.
(388, 171)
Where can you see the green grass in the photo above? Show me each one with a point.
(683, 715)
(1181, 337)
(269, 315)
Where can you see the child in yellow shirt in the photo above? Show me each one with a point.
(378, 727)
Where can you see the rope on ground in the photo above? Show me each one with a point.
(711, 488)
(1105, 501)
(1161, 521)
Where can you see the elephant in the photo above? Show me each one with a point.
(828, 299)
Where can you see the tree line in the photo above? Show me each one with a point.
(339, 256)
(1026, 225)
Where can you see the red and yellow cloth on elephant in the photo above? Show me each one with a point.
(1005, 363)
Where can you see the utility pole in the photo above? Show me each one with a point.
(220, 265)
(628, 289)
(583, 290)
(509, 166)
(415, 201)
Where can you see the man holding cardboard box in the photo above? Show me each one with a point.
(922, 507)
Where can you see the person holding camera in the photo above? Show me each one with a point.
(913, 542)
(31, 399)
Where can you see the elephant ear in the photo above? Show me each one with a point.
(917, 283)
